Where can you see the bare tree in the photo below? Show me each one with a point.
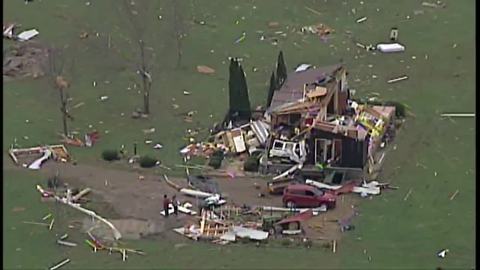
(178, 29)
(131, 10)
(56, 61)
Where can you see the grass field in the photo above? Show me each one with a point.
(433, 156)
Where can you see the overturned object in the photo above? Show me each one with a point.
(389, 48)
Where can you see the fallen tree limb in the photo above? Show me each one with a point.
(172, 184)
(81, 194)
(91, 213)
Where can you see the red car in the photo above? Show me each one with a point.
(299, 195)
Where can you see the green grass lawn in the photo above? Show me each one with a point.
(396, 234)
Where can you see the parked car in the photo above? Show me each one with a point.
(300, 195)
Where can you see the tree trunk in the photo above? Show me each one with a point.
(63, 108)
(145, 79)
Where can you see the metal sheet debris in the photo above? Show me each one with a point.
(243, 232)
(27, 35)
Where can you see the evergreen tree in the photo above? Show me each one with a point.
(244, 101)
(271, 89)
(238, 93)
(281, 70)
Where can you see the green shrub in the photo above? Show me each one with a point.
(251, 164)
(110, 155)
(147, 162)
(216, 160)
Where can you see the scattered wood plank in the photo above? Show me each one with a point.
(51, 224)
(81, 194)
(454, 195)
(78, 105)
(36, 223)
(458, 115)
(362, 19)
(60, 264)
(47, 216)
(408, 194)
(334, 246)
(313, 10)
(66, 243)
(398, 79)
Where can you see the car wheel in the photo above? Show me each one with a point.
(290, 204)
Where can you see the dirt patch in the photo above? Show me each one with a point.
(25, 59)
(137, 203)
(131, 229)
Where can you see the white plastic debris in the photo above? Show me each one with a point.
(442, 253)
(103, 98)
(27, 35)
(302, 67)
(389, 48)
(158, 146)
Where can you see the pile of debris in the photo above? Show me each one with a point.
(25, 60)
(251, 138)
(90, 139)
(39, 154)
(320, 29)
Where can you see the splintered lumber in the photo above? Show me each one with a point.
(170, 183)
(287, 172)
(81, 194)
(60, 264)
(51, 224)
(362, 19)
(47, 216)
(36, 223)
(458, 115)
(453, 195)
(334, 246)
(313, 10)
(408, 194)
(394, 80)
(65, 243)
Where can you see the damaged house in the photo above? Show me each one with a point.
(314, 122)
